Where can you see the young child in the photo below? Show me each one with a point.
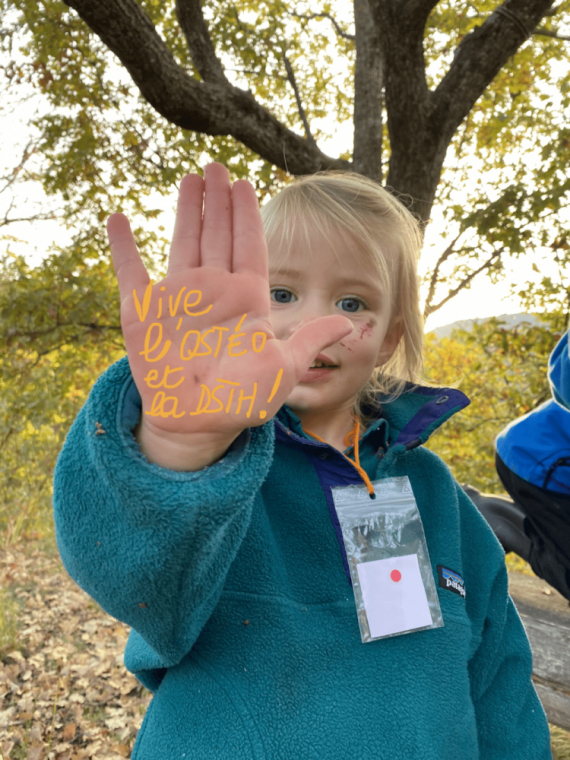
(193, 495)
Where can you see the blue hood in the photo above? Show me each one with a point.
(559, 372)
(536, 447)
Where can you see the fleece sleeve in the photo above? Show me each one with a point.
(511, 723)
(152, 546)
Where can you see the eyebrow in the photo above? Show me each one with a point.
(287, 272)
(294, 274)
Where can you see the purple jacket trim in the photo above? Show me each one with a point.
(447, 401)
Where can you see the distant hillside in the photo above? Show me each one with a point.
(510, 320)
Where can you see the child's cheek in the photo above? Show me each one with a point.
(366, 330)
(359, 333)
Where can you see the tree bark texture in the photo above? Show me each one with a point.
(368, 94)
(389, 65)
(213, 107)
(421, 123)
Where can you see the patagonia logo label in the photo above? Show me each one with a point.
(451, 580)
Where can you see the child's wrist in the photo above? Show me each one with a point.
(183, 452)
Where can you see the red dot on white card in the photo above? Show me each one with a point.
(396, 576)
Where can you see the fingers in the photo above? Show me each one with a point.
(185, 246)
(216, 240)
(313, 337)
(229, 235)
(130, 271)
(249, 248)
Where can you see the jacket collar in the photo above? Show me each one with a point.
(408, 420)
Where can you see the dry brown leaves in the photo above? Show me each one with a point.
(64, 691)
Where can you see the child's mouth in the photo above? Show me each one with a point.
(317, 364)
(319, 370)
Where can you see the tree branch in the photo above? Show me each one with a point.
(554, 10)
(479, 58)
(12, 176)
(435, 274)
(6, 438)
(191, 20)
(293, 82)
(463, 284)
(401, 28)
(309, 16)
(214, 108)
(540, 32)
(368, 94)
(419, 8)
(422, 123)
(35, 218)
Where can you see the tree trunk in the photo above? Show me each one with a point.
(421, 123)
(368, 94)
(389, 41)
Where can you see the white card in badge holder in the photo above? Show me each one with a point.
(387, 553)
(394, 595)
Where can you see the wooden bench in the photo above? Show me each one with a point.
(546, 617)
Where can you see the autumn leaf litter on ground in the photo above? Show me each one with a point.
(64, 691)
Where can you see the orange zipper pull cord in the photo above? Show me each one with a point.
(353, 435)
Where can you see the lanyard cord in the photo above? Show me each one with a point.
(352, 436)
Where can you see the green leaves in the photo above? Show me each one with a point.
(100, 148)
(503, 372)
(59, 329)
(505, 184)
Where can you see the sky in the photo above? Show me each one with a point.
(482, 299)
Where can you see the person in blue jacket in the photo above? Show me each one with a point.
(195, 494)
(533, 462)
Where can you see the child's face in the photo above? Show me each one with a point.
(318, 283)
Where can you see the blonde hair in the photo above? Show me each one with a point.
(387, 239)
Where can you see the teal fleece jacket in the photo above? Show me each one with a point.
(243, 619)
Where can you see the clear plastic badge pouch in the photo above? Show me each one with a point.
(393, 584)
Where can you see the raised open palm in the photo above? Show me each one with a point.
(200, 343)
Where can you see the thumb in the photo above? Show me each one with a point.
(310, 339)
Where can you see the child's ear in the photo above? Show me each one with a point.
(391, 341)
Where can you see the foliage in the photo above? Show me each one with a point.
(58, 335)
(505, 184)
(98, 146)
(560, 740)
(503, 372)
(101, 147)
(516, 564)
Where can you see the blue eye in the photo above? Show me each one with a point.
(281, 295)
(352, 305)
